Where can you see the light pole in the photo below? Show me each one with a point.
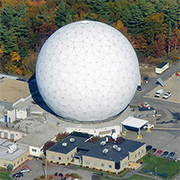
(155, 171)
(45, 166)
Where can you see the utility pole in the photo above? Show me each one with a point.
(45, 166)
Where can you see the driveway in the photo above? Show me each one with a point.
(37, 169)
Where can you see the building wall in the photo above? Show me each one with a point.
(21, 114)
(103, 164)
(60, 157)
(12, 135)
(16, 162)
(11, 115)
(98, 131)
(140, 152)
(35, 151)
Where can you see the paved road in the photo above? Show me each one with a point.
(37, 169)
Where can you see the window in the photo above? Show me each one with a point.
(102, 164)
(126, 163)
(21, 159)
(34, 150)
(18, 162)
(87, 162)
(142, 150)
(52, 157)
(59, 158)
(5, 164)
(135, 155)
(14, 164)
(25, 157)
(95, 163)
(110, 166)
(68, 158)
(122, 164)
(139, 153)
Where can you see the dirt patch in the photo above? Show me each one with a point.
(147, 70)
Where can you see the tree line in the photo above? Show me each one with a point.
(152, 26)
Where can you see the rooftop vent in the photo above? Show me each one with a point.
(115, 146)
(12, 148)
(105, 151)
(102, 143)
(118, 149)
(71, 139)
(64, 144)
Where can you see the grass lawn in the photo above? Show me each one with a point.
(4, 175)
(137, 177)
(170, 167)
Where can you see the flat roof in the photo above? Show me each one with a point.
(67, 144)
(12, 90)
(134, 122)
(162, 64)
(125, 145)
(39, 132)
(96, 149)
(4, 144)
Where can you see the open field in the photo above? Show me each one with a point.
(160, 166)
(137, 177)
(4, 175)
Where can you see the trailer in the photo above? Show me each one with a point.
(162, 67)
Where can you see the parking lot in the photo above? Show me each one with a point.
(172, 85)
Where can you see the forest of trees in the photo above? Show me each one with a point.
(152, 27)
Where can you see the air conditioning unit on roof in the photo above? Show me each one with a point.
(115, 146)
(71, 139)
(105, 151)
(64, 144)
(118, 149)
(102, 143)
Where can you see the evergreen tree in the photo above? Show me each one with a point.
(63, 15)
(135, 21)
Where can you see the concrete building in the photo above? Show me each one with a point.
(12, 153)
(10, 134)
(13, 92)
(108, 154)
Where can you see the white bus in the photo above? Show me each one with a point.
(162, 67)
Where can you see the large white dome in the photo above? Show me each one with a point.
(87, 71)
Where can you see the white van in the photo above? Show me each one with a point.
(158, 93)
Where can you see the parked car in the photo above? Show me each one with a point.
(146, 79)
(158, 93)
(165, 153)
(171, 155)
(166, 95)
(177, 73)
(139, 88)
(159, 152)
(153, 150)
(148, 147)
(63, 178)
(61, 174)
(25, 170)
(17, 175)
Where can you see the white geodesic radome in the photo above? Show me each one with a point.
(87, 71)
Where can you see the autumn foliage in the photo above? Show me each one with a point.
(152, 27)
